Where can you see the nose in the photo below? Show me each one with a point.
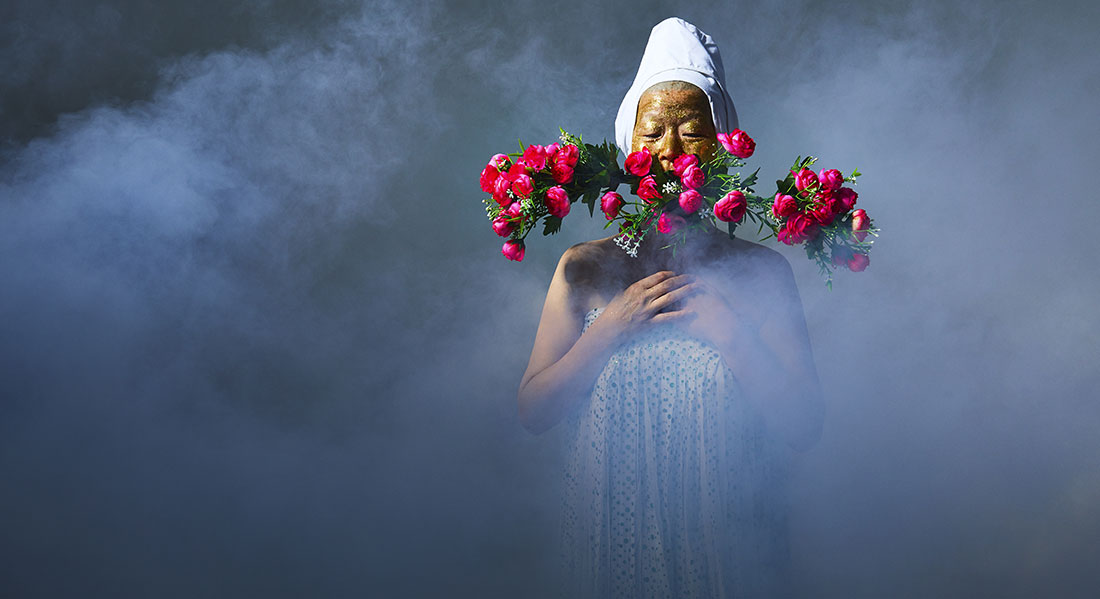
(669, 148)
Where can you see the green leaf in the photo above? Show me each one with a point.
(590, 199)
(551, 225)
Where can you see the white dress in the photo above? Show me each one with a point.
(672, 487)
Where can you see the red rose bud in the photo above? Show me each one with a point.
(568, 155)
(860, 223)
(830, 179)
(552, 151)
(557, 201)
(638, 163)
(693, 177)
(731, 208)
(804, 179)
(522, 186)
(535, 157)
(847, 198)
(517, 169)
(647, 189)
(858, 262)
(836, 207)
(611, 203)
(562, 173)
(682, 162)
(513, 250)
(489, 176)
(498, 161)
(784, 206)
(513, 211)
(503, 227)
(737, 143)
(823, 215)
(797, 229)
(690, 200)
(500, 190)
(670, 223)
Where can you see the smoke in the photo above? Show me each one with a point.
(258, 339)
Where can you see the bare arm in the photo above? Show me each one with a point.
(564, 364)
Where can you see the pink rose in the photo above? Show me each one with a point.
(503, 227)
(682, 162)
(670, 223)
(522, 186)
(611, 203)
(552, 151)
(737, 143)
(557, 201)
(800, 227)
(693, 177)
(823, 214)
(860, 223)
(535, 157)
(568, 155)
(830, 179)
(513, 250)
(517, 169)
(500, 190)
(638, 163)
(847, 198)
(562, 173)
(498, 160)
(830, 200)
(731, 209)
(513, 211)
(784, 206)
(858, 262)
(489, 176)
(804, 179)
(647, 189)
(690, 200)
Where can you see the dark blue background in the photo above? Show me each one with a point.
(256, 337)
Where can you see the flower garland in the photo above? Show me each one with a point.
(540, 183)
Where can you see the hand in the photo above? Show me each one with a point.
(710, 316)
(652, 300)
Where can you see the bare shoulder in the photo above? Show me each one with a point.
(583, 262)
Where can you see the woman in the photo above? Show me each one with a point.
(679, 374)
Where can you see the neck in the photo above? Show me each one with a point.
(650, 251)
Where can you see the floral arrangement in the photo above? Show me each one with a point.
(540, 183)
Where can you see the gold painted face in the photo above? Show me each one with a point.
(674, 121)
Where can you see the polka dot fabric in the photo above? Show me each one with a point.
(672, 488)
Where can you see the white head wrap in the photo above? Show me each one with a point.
(678, 51)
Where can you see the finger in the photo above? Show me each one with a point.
(668, 285)
(674, 296)
(655, 278)
(673, 316)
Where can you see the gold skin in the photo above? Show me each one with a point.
(674, 120)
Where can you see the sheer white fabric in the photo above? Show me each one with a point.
(672, 487)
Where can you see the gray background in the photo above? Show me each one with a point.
(256, 337)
